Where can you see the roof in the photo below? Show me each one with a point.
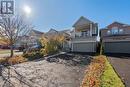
(37, 32)
(52, 31)
(81, 21)
(67, 31)
(119, 23)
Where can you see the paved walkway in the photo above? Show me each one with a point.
(122, 67)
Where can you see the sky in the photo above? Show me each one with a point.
(62, 14)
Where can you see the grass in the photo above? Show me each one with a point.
(109, 77)
(4, 51)
(100, 73)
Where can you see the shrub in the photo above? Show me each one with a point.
(13, 60)
(52, 44)
(16, 60)
(50, 48)
(2, 60)
(94, 72)
(33, 55)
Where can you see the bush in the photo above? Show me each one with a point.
(33, 55)
(2, 60)
(94, 72)
(101, 74)
(52, 45)
(13, 60)
(16, 60)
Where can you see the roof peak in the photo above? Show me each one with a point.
(120, 23)
(81, 21)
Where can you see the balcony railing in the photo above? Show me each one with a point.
(87, 38)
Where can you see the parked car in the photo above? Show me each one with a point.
(21, 48)
(32, 48)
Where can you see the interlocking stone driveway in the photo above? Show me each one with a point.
(62, 71)
(122, 67)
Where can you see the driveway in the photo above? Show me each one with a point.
(122, 67)
(65, 70)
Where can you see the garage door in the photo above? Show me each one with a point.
(117, 47)
(84, 47)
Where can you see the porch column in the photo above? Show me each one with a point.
(72, 47)
(91, 27)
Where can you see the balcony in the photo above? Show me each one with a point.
(87, 39)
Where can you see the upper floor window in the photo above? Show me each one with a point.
(85, 33)
(108, 32)
(121, 31)
(115, 30)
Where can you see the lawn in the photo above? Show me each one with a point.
(109, 77)
(4, 51)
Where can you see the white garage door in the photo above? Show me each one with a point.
(84, 47)
(117, 47)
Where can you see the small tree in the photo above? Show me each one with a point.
(11, 28)
(52, 44)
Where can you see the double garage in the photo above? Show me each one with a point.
(109, 47)
(89, 47)
(117, 47)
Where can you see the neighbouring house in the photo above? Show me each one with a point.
(35, 35)
(4, 44)
(29, 40)
(116, 38)
(53, 32)
(66, 33)
(84, 36)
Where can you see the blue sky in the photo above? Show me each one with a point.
(62, 14)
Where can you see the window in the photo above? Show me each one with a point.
(115, 30)
(85, 33)
(108, 32)
(121, 31)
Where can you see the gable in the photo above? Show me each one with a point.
(82, 21)
(35, 32)
(52, 31)
(117, 24)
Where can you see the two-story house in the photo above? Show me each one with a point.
(116, 38)
(84, 36)
(31, 39)
(66, 33)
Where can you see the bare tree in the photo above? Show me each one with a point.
(12, 28)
